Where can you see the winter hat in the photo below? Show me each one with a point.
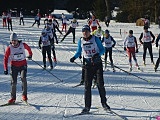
(86, 27)
(13, 36)
(145, 27)
(107, 31)
(130, 31)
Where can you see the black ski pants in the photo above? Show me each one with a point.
(71, 30)
(158, 60)
(108, 50)
(90, 72)
(9, 25)
(46, 49)
(147, 45)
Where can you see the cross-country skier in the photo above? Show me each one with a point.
(16, 53)
(130, 45)
(98, 32)
(49, 31)
(64, 22)
(46, 19)
(108, 42)
(146, 39)
(107, 21)
(71, 29)
(93, 23)
(37, 20)
(55, 26)
(91, 49)
(21, 18)
(9, 21)
(45, 44)
(4, 19)
(158, 60)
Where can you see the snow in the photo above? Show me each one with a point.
(51, 99)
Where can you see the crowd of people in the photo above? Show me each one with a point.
(91, 46)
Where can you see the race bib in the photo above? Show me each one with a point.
(19, 56)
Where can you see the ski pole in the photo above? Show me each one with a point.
(130, 73)
(47, 71)
(78, 64)
(121, 52)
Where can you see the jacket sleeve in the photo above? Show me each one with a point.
(114, 42)
(100, 46)
(157, 40)
(79, 49)
(135, 40)
(140, 38)
(28, 49)
(152, 36)
(6, 56)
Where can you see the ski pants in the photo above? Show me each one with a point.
(46, 49)
(158, 60)
(36, 21)
(14, 74)
(131, 53)
(71, 30)
(108, 50)
(90, 72)
(9, 24)
(147, 45)
(64, 26)
(21, 19)
(4, 22)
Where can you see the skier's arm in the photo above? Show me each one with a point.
(152, 37)
(140, 38)
(135, 40)
(28, 49)
(114, 42)
(79, 50)
(157, 40)
(6, 56)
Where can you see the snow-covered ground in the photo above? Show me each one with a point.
(50, 99)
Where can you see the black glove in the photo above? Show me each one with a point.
(136, 50)
(80, 57)
(29, 57)
(57, 42)
(6, 72)
(113, 45)
(95, 55)
(125, 49)
(39, 47)
(72, 59)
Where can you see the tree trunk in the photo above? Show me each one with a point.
(108, 8)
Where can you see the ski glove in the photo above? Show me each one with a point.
(72, 59)
(113, 45)
(80, 57)
(57, 42)
(136, 50)
(125, 49)
(39, 47)
(29, 57)
(6, 72)
(95, 55)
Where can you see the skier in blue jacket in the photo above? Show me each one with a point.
(91, 48)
